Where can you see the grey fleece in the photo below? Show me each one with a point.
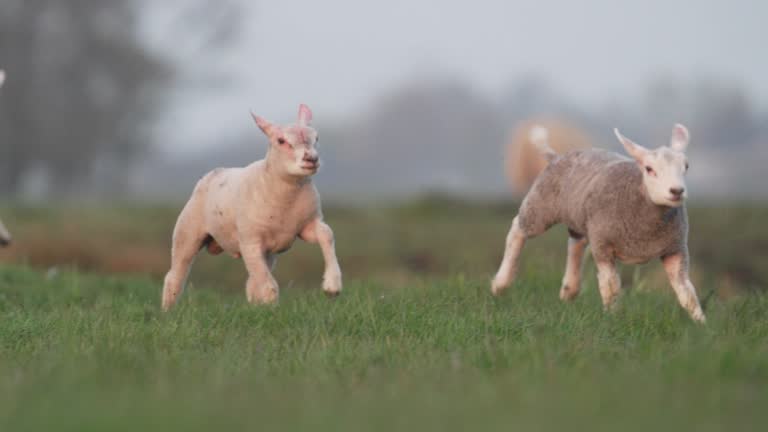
(600, 195)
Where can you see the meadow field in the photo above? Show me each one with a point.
(415, 342)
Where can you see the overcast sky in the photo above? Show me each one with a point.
(338, 55)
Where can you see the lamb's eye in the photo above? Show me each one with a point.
(281, 141)
(686, 166)
(649, 170)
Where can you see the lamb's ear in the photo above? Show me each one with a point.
(305, 115)
(263, 124)
(680, 138)
(2, 77)
(637, 151)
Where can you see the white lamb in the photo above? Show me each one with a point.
(628, 210)
(256, 213)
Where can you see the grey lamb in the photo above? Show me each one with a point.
(628, 210)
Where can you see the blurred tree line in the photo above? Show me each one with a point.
(466, 132)
(85, 89)
(84, 85)
(442, 136)
(461, 134)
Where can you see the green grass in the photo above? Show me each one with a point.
(90, 353)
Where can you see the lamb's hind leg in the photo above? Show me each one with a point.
(508, 269)
(188, 238)
(572, 278)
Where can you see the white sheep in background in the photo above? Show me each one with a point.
(523, 161)
(5, 236)
(256, 213)
(628, 210)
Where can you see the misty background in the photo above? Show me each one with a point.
(135, 100)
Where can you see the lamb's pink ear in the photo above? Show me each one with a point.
(635, 150)
(680, 138)
(263, 124)
(305, 115)
(2, 77)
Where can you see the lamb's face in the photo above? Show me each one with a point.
(664, 168)
(293, 148)
(664, 176)
(296, 149)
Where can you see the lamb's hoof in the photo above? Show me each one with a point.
(332, 294)
(332, 284)
(263, 301)
(611, 308)
(267, 295)
(168, 301)
(567, 294)
(497, 288)
(698, 317)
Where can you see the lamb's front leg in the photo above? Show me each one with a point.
(676, 266)
(261, 287)
(319, 232)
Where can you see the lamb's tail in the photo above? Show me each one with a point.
(539, 136)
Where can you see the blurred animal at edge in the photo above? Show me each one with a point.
(5, 236)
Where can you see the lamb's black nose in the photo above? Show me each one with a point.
(310, 158)
(676, 191)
